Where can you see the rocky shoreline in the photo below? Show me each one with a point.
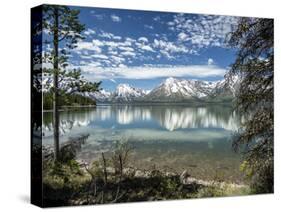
(114, 180)
(75, 143)
(185, 177)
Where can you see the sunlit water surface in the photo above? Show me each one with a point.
(197, 139)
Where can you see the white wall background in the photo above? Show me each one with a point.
(15, 102)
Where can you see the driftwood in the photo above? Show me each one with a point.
(104, 169)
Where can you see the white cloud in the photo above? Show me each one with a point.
(85, 57)
(147, 48)
(83, 62)
(112, 52)
(182, 36)
(210, 61)
(148, 26)
(111, 57)
(112, 44)
(156, 18)
(166, 54)
(115, 44)
(100, 56)
(171, 23)
(143, 39)
(109, 35)
(204, 30)
(167, 48)
(193, 71)
(90, 32)
(122, 66)
(117, 59)
(130, 48)
(105, 35)
(130, 40)
(87, 46)
(92, 65)
(97, 42)
(126, 48)
(115, 18)
(115, 37)
(192, 35)
(128, 53)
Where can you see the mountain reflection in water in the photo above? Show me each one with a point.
(166, 135)
(167, 117)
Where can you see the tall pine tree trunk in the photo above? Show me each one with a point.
(55, 82)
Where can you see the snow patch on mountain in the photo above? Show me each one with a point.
(101, 96)
(171, 89)
(180, 88)
(124, 92)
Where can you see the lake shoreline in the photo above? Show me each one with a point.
(193, 140)
(134, 104)
(69, 108)
(185, 176)
(132, 184)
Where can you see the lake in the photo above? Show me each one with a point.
(170, 137)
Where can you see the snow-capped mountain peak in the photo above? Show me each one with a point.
(170, 80)
(125, 90)
(101, 95)
(180, 88)
(172, 84)
(125, 93)
(171, 89)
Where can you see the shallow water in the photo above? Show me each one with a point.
(197, 139)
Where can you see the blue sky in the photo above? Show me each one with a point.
(142, 48)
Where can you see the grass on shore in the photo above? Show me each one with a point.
(69, 184)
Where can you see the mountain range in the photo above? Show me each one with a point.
(172, 90)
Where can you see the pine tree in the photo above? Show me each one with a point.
(64, 30)
(253, 39)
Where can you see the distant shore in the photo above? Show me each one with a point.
(65, 108)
